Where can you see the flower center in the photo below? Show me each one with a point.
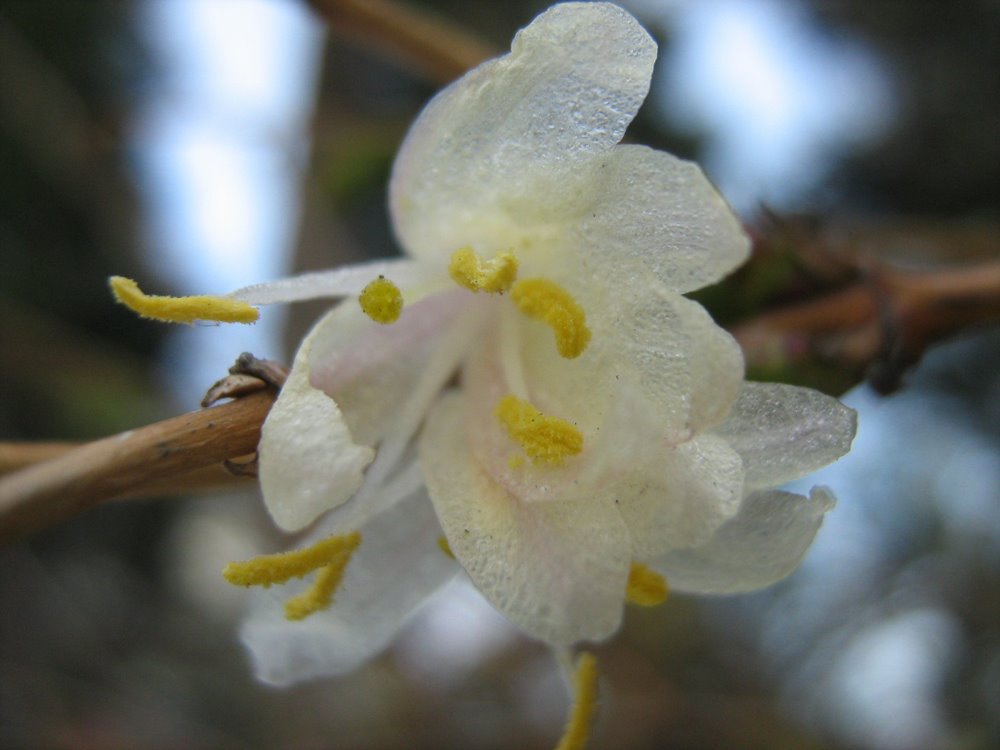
(537, 298)
(545, 439)
(494, 276)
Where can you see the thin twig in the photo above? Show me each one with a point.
(129, 464)
(882, 324)
(438, 48)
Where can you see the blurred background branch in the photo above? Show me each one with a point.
(411, 35)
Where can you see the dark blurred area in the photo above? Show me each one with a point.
(116, 629)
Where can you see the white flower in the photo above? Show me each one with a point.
(599, 423)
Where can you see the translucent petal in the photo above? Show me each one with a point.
(397, 566)
(309, 462)
(371, 369)
(684, 498)
(762, 544)
(573, 81)
(661, 349)
(556, 569)
(784, 432)
(653, 214)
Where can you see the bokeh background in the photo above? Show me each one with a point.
(198, 145)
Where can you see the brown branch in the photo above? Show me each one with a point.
(438, 48)
(883, 323)
(135, 463)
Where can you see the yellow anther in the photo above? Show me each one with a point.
(180, 309)
(645, 587)
(550, 303)
(320, 595)
(581, 716)
(268, 569)
(543, 438)
(382, 301)
(445, 547)
(477, 275)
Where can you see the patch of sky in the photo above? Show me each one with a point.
(219, 153)
(777, 98)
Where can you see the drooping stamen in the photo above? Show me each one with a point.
(330, 556)
(470, 271)
(543, 438)
(550, 303)
(382, 301)
(283, 566)
(581, 716)
(645, 587)
(319, 596)
(180, 309)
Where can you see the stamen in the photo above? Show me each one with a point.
(382, 301)
(445, 547)
(283, 566)
(645, 587)
(180, 309)
(477, 275)
(550, 303)
(581, 716)
(544, 438)
(319, 596)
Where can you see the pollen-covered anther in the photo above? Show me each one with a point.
(180, 309)
(581, 716)
(329, 556)
(470, 271)
(545, 439)
(645, 587)
(283, 566)
(382, 301)
(550, 303)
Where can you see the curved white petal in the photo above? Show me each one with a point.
(655, 215)
(397, 566)
(556, 569)
(761, 545)
(784, 432)
(568, 89)
(309, 462)
(680, 502)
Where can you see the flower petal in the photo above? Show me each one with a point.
(309, 462)
(398, 565)
(784, 432)
(762, 544)
(372, 369)
(568, 89)
(649, 344)
(693, 489)
(654, 214)
(556, 569)
(687, 369)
